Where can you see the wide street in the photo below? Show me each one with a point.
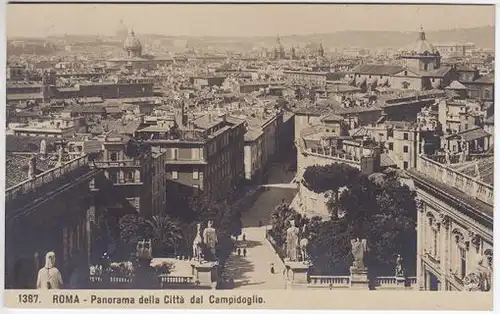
(253, 270)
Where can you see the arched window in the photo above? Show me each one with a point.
(459, 254)
(432, 246)
(489, 257)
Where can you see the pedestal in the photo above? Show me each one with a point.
(359, 279)
(205, 273)
(297, 273)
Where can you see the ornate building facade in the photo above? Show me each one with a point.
(455, 224)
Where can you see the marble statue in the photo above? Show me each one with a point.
(32, 167)
(210, 237)
(43, 148)
(197, 244)
(359, 249)
(304, 242)
(399, 267)
(447, 156)
(49, 276)
(60, 153)
(292, 241)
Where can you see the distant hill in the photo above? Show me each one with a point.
(483, 37)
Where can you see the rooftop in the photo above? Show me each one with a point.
(482, 169)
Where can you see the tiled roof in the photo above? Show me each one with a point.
(23, 144)
(359, 132)
(484, 165)
(332, 117)
(378, 69)
(14, 97)
(470, 135)
(386, 161)
(464, 68)
(16, 168)
(487, 79)
(440, 72)
(456, 85)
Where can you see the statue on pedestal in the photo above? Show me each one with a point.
(399, 267)
(210, 237)
(43, 149)
(197, 244)
(359, 249)
(292, 242)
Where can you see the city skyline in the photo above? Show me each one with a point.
(244, 20)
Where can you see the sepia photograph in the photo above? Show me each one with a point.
(249, 147)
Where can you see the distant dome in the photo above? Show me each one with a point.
(422, 46)
(132, 44)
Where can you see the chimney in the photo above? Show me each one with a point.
(32, 168)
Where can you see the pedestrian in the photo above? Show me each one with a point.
(272, 268)
(239, 252)
(244, 252)
(244, 237)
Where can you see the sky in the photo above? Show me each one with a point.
(39, 20)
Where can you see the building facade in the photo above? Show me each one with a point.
(455, 224)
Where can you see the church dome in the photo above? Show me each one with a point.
(132, 43)
(422, 46)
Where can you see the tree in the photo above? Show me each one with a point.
(321, 179)
(280, 217)
(165, 234)
(133, 228)
(378, 208)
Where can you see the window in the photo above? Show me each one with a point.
(391, 146)
(129, 176)
(175, 175)
(175, 153)
(113, 156)
(405, 165)
(405, 149)
(435, 242)
(196, 174)
(489, 257)
(113, 176)
(405, 136)
(463, 262)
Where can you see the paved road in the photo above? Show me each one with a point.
(253, 271)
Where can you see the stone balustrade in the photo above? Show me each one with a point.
(392, 282)
(42, 179)
(117, 280)
(330, 281)
(166, 279)
(456, 179)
